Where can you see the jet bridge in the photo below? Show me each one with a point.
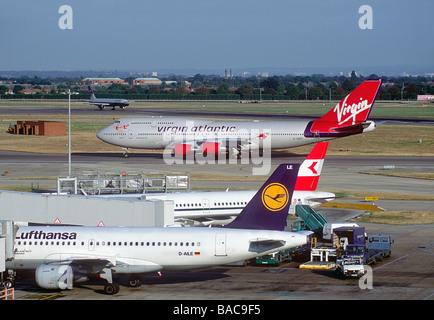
(7, 233)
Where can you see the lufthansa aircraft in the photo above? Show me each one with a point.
(61, 255)
(183, 136)
(104, 102)
(220, 207)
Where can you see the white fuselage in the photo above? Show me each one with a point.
(159, 133)
(136, 249)
(214, 204)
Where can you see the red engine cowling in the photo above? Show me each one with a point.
(210, 147)
(182, 149)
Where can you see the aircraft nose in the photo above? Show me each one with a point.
(99, 134)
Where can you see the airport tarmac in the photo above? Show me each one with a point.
(407, 275)
(338, 173)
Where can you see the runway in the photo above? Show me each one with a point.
(82, 109)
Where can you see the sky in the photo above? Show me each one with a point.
(152, 35)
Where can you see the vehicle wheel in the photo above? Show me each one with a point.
(134, 282)
(111, 288)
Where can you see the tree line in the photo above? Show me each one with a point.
(215, 87)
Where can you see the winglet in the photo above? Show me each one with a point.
(269, 208)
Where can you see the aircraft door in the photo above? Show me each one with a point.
(130, 134)
(220, 244)
(205, 205)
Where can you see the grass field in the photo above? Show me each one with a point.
(387, 139)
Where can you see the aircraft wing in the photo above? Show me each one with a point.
(263, 245)
(100, 103)
(98, 264)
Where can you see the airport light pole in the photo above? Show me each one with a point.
(69, 133)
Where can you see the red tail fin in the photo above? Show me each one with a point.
(349, 114)
(310, 169)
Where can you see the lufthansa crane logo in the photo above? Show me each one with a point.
(275, 197)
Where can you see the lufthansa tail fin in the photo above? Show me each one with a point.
(348, 116)
(310, 169)
(269, 208)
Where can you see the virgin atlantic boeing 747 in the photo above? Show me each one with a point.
(185, 135)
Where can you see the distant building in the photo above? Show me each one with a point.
(147, 82)
(34, 91)
(103, 81)
(425, 97)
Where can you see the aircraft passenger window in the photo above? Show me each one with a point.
(176, 244)
(153, 244)
(125, 243)
(159, 243)
(170, 244)
(119, 243)
(147, 244)
(186, 244)
(142, 244)
(181, 244)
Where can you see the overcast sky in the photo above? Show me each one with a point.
(148, 35)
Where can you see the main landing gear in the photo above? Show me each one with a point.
(111, 288)
(126, 153)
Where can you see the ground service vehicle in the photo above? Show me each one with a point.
(357, 255)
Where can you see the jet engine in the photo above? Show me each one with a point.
(54, 276)
(182, 149)
(210, 148)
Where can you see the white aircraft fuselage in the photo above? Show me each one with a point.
(136, 249)
(160, 133)
(210, 205)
